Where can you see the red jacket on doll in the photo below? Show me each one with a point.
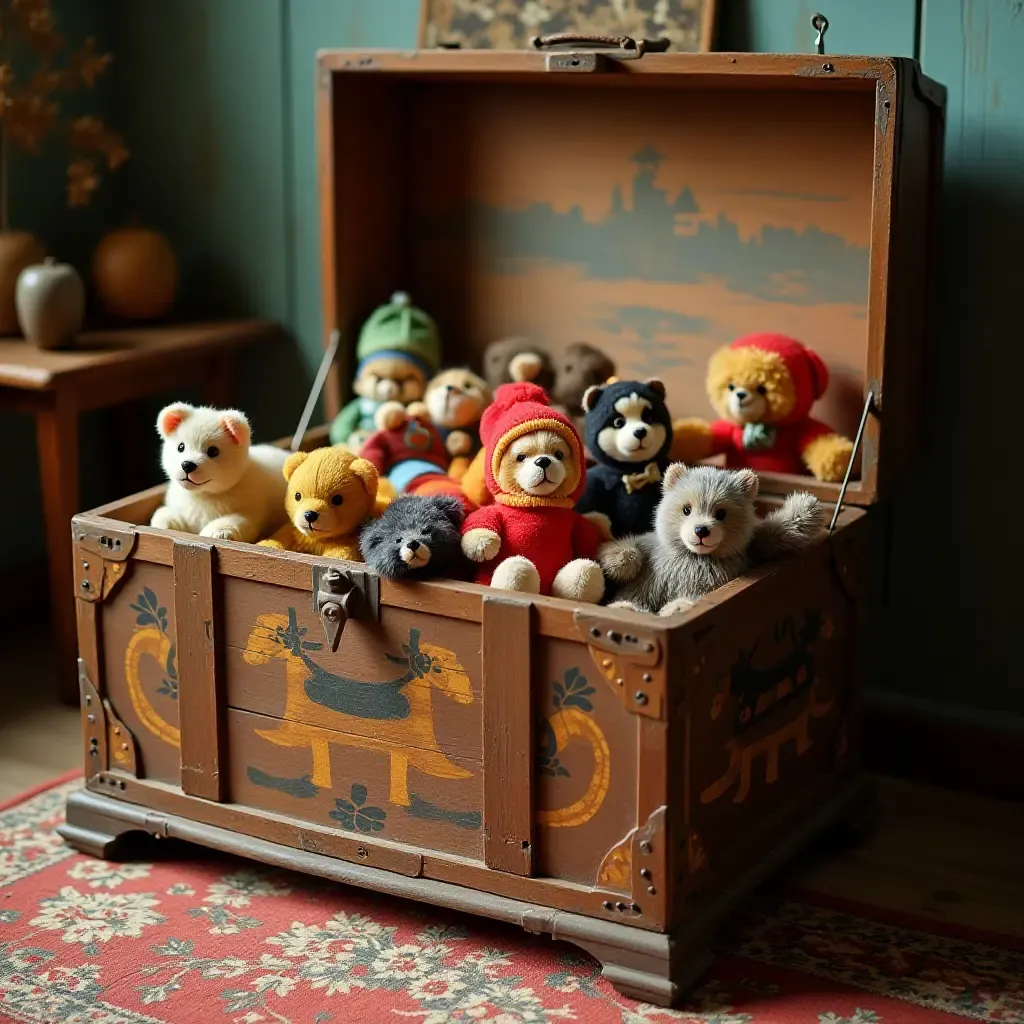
(546, 530)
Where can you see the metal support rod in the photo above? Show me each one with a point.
(318, 384)
(868, 405)
(820, 25)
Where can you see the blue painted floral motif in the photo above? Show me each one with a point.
(355, 815)
(151, 613)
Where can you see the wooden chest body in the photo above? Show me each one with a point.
(608, 777)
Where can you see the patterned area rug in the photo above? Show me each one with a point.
(208, 939)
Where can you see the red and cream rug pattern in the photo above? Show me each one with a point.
(209, 939)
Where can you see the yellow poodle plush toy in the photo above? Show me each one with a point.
(331, 493)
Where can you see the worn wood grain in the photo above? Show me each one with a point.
(508, 736)
(200, 710)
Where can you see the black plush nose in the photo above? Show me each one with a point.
(311, 516)
(543, 462)
(413, 545)
(188, 467)
(702, 531)
(640, 432)
(741, 394)
(449, 387)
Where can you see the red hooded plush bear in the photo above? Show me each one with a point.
(532, 539)
(763, 386)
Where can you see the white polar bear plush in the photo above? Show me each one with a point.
(220, 486)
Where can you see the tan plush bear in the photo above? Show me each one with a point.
(330, 494)
(763, 386)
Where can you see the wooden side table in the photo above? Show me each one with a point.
(104, 369)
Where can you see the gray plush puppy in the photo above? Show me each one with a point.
(415, 537)
(706, 533)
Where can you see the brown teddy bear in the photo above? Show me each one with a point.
(330, 494)
(517, 359)
(763, 387)
(581, 366)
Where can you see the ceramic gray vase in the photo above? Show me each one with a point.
(50, 299)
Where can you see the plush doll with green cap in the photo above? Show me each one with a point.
(399, 350)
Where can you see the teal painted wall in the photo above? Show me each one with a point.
(217, 100)
(37, 204)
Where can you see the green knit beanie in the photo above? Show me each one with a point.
(398, 326)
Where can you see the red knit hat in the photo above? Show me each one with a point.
(806, 367)
(519, 409)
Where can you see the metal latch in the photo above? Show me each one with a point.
(343, 594)
(600, 50)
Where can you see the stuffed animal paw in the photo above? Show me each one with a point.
(517, 573)
(480, 545)
(621, 561)
(579, 580)
(828, 457)
(691, 440)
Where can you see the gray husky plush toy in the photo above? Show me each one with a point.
(706, 533)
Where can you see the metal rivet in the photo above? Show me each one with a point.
(93, 752)
(635, 907)
(827, 67)
(117, 730)
(93, 741)
(620, 906)
(85, 565)
(645, 847)
(648, 647)
(629, 638)
(616, 638)
(86, 585)
(647, 677)
(620, 681)
(361, 852)
(595, 631)
(645, 872)
(121, 784)
(90, 718)
(640, 697)
(124, 746)
(607, 663)
(651, 891)
(88, 700)
(607, 904)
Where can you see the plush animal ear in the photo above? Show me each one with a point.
(656, 386)
(673, 474)
(236, 426)
(452, 509)
(171, 418)
(749, 481)
(590, 397)
(292, 463)
(367, 473)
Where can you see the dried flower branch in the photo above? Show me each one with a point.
(29, 103)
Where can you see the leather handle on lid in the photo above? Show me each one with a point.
(628, 43)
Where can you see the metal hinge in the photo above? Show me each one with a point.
(343, 594)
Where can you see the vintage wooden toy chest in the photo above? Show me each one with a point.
(615, 779)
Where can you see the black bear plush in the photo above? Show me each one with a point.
(629, 434)
(416, 536)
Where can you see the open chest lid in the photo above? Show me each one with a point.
(656, 205)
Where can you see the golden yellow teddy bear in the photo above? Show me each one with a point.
(330, 494)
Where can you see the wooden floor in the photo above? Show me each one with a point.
(39, 737)
(934, 853)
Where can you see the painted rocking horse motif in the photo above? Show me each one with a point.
(758, 692)
(393, 717)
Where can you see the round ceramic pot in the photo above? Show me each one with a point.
(50, 299)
